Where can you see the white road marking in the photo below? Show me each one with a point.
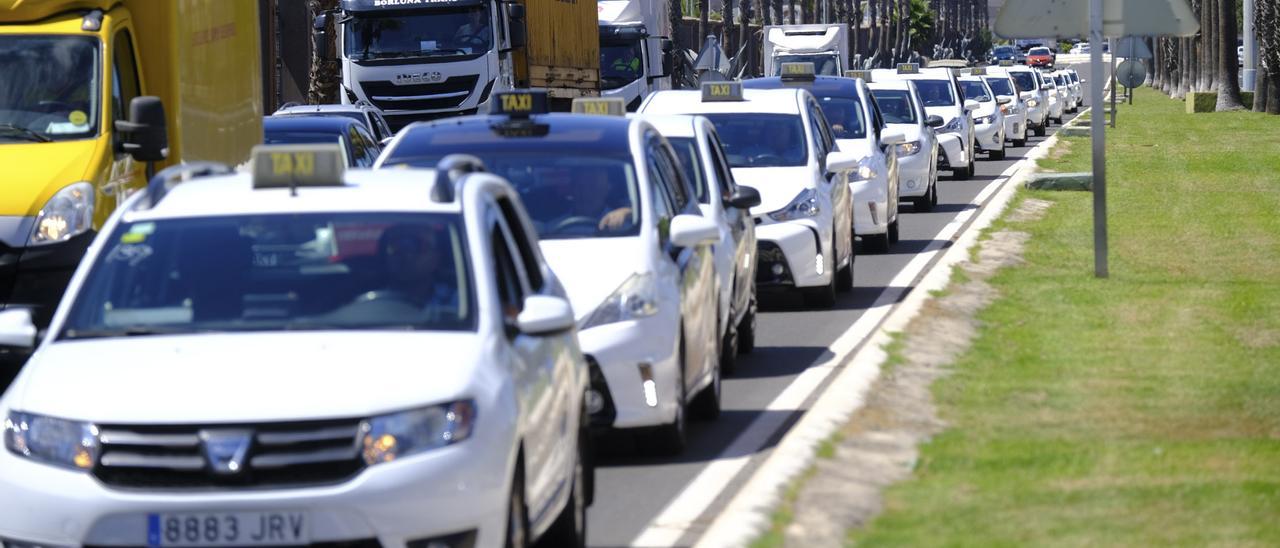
(683, 512)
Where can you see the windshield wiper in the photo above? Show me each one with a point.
(131, 331)
(30, 134)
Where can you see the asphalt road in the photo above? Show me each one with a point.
(631, 491)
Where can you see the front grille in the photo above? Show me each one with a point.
(768, 254)
(454, 85)
(278, 455)
(8, 271)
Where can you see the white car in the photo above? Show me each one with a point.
(696, 144)
(1011, 104)
(297, 356)
(988, 119)
(621, 226)
(1077, 86)
(940, 92)
(859, 129)
(1070, 89)
(1033, 95)
(779, 143)
(900, 106)
(1056, 101)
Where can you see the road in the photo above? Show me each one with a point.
(633, 491)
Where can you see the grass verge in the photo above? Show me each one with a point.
(1139, 410)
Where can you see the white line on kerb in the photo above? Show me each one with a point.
(681, 514)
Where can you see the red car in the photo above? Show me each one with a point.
(1041, 57)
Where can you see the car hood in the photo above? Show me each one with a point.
(947, 113)
(33, 172)
(910, 131)
(247, 377)
(777, 185)
(859, 147)
(590, 269)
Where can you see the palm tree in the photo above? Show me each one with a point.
(703, 12)
(1267, 23)
(326, 73)
(1228, 85)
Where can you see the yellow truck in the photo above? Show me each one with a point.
(94, 96)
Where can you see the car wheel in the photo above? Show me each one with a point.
(998, 154)
(747, 329)
(517, 513)
(1019, 142)
(706, 405)
(821, 297)
(933, 194)
(570, 527)
(893, 232)
(844, 281)
(965, 172)
(670, 439)
(1040, 131)
(729, 351)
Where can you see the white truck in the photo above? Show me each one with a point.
(635, 49)
(826, 46)
(425, 59)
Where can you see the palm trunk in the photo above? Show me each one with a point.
(704, 12)
(1260, 91)
(325, 74)
(744, 34)
(1228, 84)
(726, 28)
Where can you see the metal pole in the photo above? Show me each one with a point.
(1098, 135)
(1250, 72)
(1113, 80)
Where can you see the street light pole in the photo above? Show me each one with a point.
(1250, 50)
(1097, 133)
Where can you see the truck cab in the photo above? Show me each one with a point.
(826, 46)
(95, 94)
(635, 50)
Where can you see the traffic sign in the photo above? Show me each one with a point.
(1131, 73)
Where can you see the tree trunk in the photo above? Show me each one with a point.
(744, 36)
(1228, 84)
(325, 75)
(726, 28)
(704, 12)
(1260, 91)
(855, 29)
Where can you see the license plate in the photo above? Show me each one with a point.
(228, 529)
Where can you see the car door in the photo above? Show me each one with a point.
(123, 173)
(532, 368)
(741, 227)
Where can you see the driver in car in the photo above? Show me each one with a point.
(475, 30)
(591, 199)
(769, 143)
(412, 256)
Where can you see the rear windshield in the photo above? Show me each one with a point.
(1000, 86)
(895, 106)
(936, 93)
(315, 271)
(761, 140)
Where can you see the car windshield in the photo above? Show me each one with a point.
(935, 93)
(975, 91)
(1025, 80)
(620, 64)
(1000, 86)
(761, 140)
(895, 105)
(823, 64)
(436, 33)
(1060, 79)
(50, 87)
(1006, 50)
(1075, 79)
(687, 151)
(845, 116)
(1039, 51)
(316, 271)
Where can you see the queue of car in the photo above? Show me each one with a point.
(468, 313)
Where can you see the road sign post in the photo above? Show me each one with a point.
(1098, 135)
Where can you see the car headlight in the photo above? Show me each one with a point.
(61, 442)
(67, 214)
(803, 206)
(908, 149)
(986, 119)
(1032, 102)
(636, 298)
(952, 126)
(389, 437)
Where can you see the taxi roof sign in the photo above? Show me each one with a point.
(603, 106)
(1006, 62)
(978, 71)
(292, 166)
(908, 68)
(805, 72)
(864, 74)
(521, 103)
(721, 91)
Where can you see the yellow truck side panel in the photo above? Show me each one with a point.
(563, 48)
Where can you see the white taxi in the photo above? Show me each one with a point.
(900, 106)
(297, 356)
(1011, 104)
(988, 119)
(778, 142)
(940, 92)
(1033, 95)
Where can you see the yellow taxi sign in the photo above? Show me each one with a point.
(721, 91)
(601, 106)
(798, 71)
(1006, 62)
(908, 68)
(978, 71)
(864, 74)
(520, 103)
(288, 166)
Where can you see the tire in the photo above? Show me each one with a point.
(729, 351)
(998, 154)
(1040, 131)
(821, 297)
(670, 439)
(747, 329)
(706, 405)
(570, 527)
(844, 276)
(1019, 142)
(893, 232)
(877, 243)
(517, 513)
(933, 193)
(966, 172)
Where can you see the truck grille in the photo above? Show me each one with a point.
(390, 97)
(278, 455)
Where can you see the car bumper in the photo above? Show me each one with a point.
(953, 150)
(987, 136)
(914, 173)
(631, 355)
(1036, 116)
(36, 278)
(1015, 126)
(455, 490)
(871, 206)
(796, 246)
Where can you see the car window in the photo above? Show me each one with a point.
(507, 278)
(975, 91)
(1000, 86)
(686, 149)
(124, 76)
(936, 93)
(845, 115)
(761, 140)
(528, 258)
(724, 177)
(670, 174)
(895, 105)
(1024, 80)
(663, 204)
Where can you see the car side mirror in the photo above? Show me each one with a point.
(1004, 100)
(320, 36)
(744, 198)
(892, 137)
(17, 329)
(693, 230)
(933, 120)
(840, 161)
(545, 315)
(970, 105)
(145, 137)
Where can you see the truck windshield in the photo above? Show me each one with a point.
(434, 33)
(824, 64)
(50, 87)
(620, 64)
(761, 140)
(317, 271)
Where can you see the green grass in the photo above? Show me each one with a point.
(1135, 411)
